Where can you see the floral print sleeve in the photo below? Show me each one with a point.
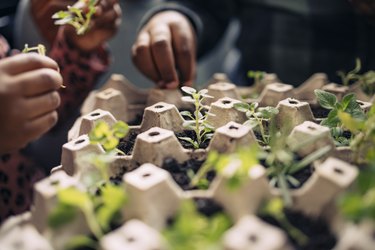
(80, 72)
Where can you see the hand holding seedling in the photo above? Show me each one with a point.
(164, 50)
(97, 28)
(28, 99)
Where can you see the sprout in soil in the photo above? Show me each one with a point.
(197, 122)
(256, 118)
(348, 105)
(100, 206)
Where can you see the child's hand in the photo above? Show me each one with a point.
(104, 24)
(28, 99)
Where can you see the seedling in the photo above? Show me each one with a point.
(348, 104)
(79, 18)
(366, 80)
(40, 49)
(197, 122)
(282, 164)
(256, 117)
(193, 231)
(102, 207)
(247, 157)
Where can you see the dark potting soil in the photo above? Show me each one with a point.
(126, 144)
(207, 207)
(179, 171)
(191, 134)
(319, 112)
(317, 230)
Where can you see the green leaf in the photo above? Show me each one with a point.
(61, 215)
(325, 99)
(74, 197)
(186, 113)
(347, 100)
(243, 107)
(188, 90)
(120, 129)
(266, 112)
(191, 141)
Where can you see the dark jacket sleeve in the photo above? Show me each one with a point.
(209, 18)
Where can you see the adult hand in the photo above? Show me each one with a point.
(28, 99)
(165, 50)
(104, 24)
(365, 7)
(42, 11)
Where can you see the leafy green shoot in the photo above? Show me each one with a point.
(257, 116)
(246, 158)
(366, 80)
(109, 137)
(100, 208)
(275, 208)
(193, 231)
(197, 122)
(282, 164)
(99, 211)
(77, 17)
(348, 105)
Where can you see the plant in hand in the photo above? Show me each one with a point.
(193, 231)
(101, 208)
(366, 80)
(77, 17)
(256, 117)
(197, 122)
(40, 49)
(348, 105)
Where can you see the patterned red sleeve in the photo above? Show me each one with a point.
(80, 71)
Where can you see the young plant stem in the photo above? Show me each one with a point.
(294, 232)
(93, 223)
(197, 125)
